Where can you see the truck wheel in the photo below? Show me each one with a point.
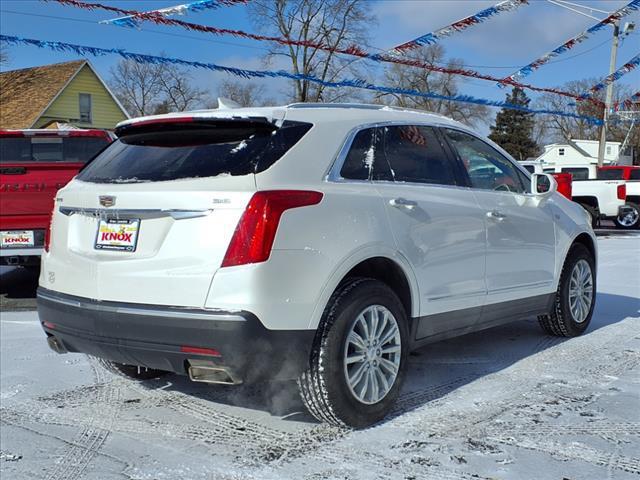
(130, 371)
(359, 357)
(630, 219)
(575, 297)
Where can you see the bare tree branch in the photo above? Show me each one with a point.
(411, 78)
(331, 23)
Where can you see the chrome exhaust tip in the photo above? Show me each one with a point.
(56, 345)
(208, 372)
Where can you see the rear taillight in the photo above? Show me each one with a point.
(564, 181)
(256, 230)
(622, 191)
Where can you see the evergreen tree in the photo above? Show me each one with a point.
(513, 129)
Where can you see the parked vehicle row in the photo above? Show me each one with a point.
(630, 218)
(610, 192)
(317, 242)
(34, 164)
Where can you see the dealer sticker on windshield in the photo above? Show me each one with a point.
(115, 234)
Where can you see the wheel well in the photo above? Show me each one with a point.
(633, 199)
(389, 272)
(587, 241)
(591, 201)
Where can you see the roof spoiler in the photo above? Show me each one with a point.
(188, 122)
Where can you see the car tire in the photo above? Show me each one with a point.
(630, 221)
(324, 387)
(572, 311)
(131, 371)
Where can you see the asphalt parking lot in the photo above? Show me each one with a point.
(506, 403)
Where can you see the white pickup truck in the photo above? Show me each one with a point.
(603, 199)
(629, 218)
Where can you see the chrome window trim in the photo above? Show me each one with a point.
(333, 173)
(170, 312)
(143, 214)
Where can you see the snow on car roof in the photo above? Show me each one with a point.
(310, 112)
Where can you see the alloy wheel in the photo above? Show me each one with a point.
(372, 354)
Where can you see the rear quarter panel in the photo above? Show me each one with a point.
(314, 248)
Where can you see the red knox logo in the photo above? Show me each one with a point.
(120, 236)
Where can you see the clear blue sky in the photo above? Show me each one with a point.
(499, 46)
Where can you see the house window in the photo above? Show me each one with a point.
(85, 107)
(608, 149)
(561, 152)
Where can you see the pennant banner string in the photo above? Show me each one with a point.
(463, 24)
(353, 50)
(245, 73)
(629, 102)
(615, 76)
(132, 20)
(569, 44)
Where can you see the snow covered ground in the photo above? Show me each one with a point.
(507, 403)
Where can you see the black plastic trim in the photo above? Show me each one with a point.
(151, 336)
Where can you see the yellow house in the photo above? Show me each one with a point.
(69, 93)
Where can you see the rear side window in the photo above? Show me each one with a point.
(577, 173)
(359, 161)
(530, 168)
(610, 174)
(414, 154)
(635, 174)
(50, 149)
(193, 150)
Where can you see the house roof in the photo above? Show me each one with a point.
(26, 93)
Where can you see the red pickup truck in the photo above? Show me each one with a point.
(34, 165)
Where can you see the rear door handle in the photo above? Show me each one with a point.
(403, 203)
(496, 215)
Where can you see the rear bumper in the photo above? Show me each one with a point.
(21, 252)
(621, 210)
(17, 257)
(154, 337)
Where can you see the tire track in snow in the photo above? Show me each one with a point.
(85, 446)
(575, 451)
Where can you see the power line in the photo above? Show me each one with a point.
(157, 32)
(253, 47)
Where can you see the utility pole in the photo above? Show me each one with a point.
(609, 97)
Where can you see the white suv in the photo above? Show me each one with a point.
(318, 242)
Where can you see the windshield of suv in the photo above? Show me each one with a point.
(610, 174)
(194, 150)
(50, 149)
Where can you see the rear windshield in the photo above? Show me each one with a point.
(577, 173)
(610, 174)
(193, 151)
(50, 149)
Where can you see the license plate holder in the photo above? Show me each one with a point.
(117, 234)
(17, 239)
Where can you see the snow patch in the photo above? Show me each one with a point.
(241, 146)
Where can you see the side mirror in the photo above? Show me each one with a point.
(543, 184)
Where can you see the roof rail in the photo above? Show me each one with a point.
(363, 106)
